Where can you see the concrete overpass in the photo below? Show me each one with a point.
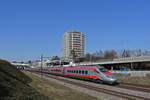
(140, 59)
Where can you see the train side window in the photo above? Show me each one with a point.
(83, 72)
(86, 72)
(79, 71)
(76, 71)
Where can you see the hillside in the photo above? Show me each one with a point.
(14, 84)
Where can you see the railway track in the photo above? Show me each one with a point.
(136, 87)
(145, 86)
(102, 90)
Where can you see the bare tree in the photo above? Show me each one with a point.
(87, 57)
(110, 54)
(126, 53)
(73, 55)
(99, 54)
(139, 52)
(146, 53)
(55, 58)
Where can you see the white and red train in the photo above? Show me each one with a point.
(92, 72)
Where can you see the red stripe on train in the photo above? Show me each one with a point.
(87, 76)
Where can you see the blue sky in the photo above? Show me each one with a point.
(29, 28)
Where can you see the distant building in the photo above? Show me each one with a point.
(73, 41)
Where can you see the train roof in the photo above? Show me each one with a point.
(80, 66)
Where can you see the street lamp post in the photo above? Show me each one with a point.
(42, 57)
(41, 64)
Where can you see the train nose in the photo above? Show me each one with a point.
(111, 78)
(114, 78)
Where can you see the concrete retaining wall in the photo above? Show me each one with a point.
(133, 73)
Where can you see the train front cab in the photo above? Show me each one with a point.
(105, 76)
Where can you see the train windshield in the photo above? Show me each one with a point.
(103, 69)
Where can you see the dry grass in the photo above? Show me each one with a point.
(14, 84)
(56, 91)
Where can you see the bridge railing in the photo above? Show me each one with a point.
(133, 58)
